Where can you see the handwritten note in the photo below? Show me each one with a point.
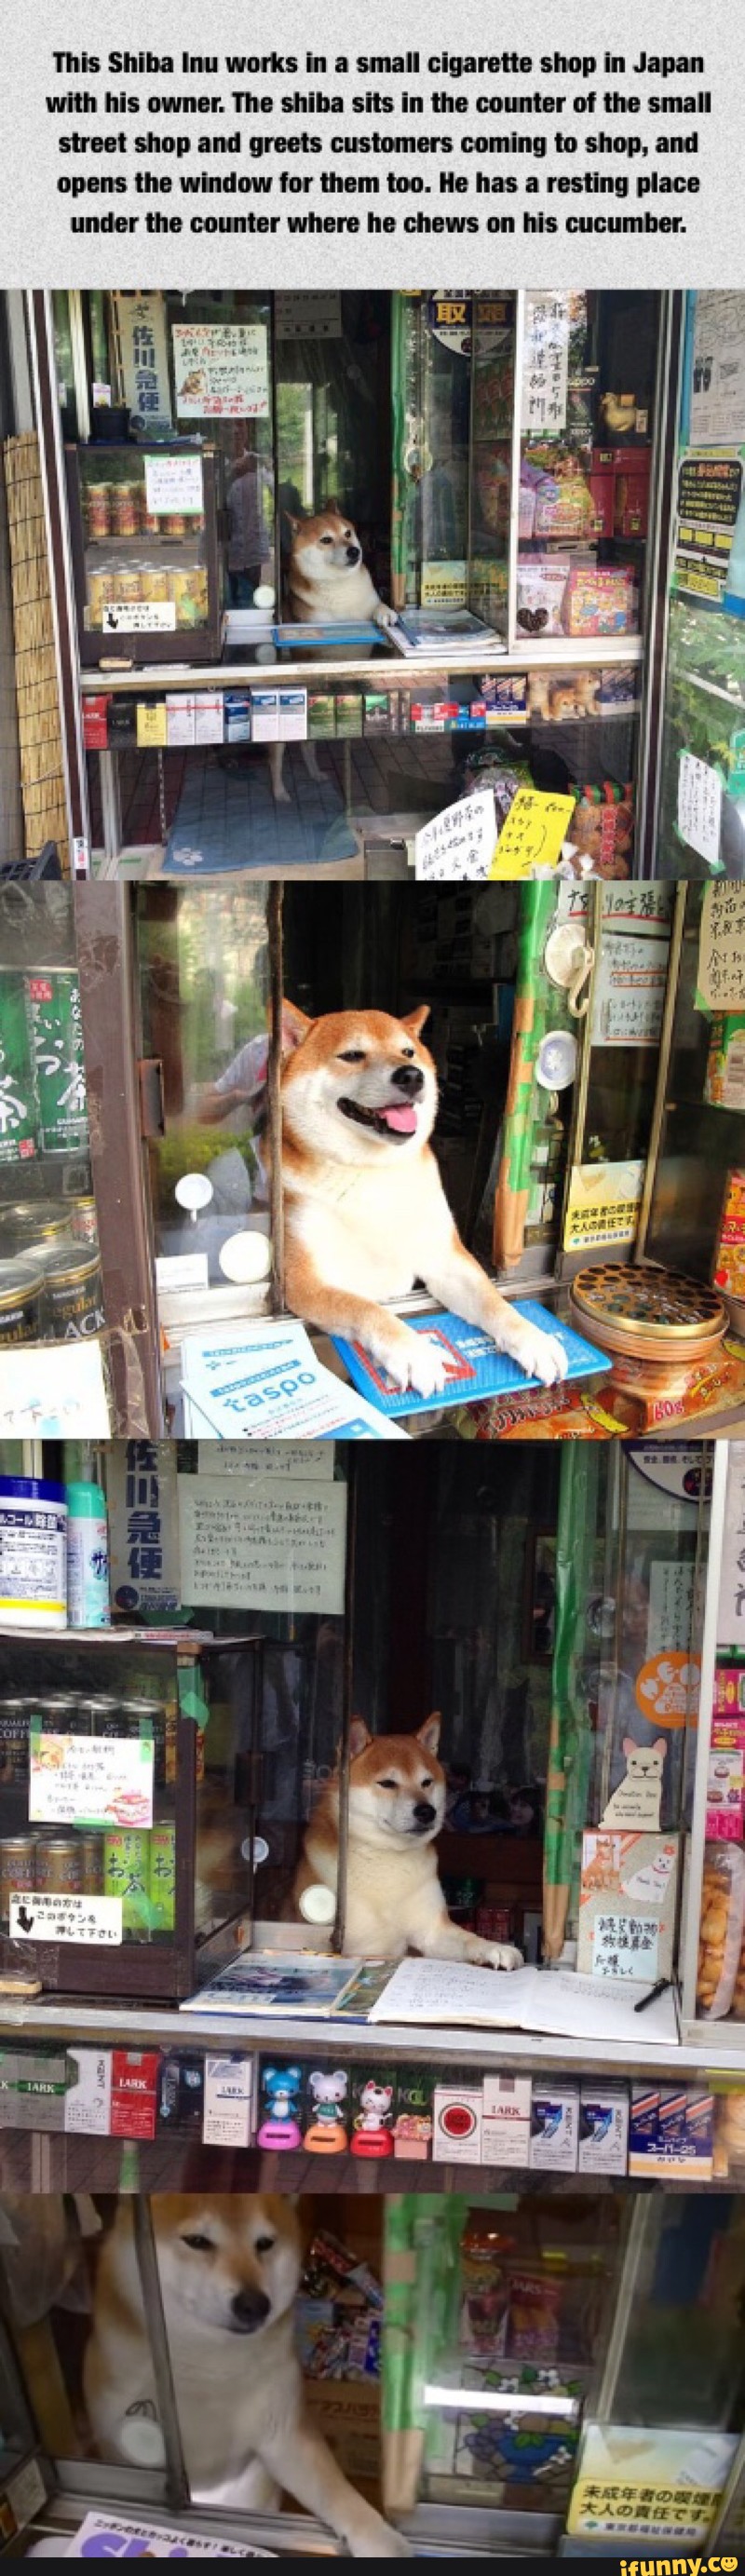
(91, 1780)
(533, 835)
(53, 1391)
(276, 1545)
(545, 362)
(630, 990)
(700, 807)
(721, 956)
(310, 1462)
(173, 483)
(221, 370)
(625, 1945)
(459, 842)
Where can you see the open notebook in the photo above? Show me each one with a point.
(557, 2002)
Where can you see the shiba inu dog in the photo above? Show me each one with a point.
(327, 583)
(229, 2274)
(394, 1901)
(365, 1211)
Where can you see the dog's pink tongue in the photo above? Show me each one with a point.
(404, 1120)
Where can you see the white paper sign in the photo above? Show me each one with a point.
(90, 1779)
(630, 990)
(460, 842)
(311, 1462)
(298, 316)
(174, 483)
(700, 807)
(625, 1945)
(221, 370)
(96, 1920)
(731, 1619)
(138, 616)
(670, 1607)
(718, 375)
(53, 1391)
(280, 1545)
(545, 362)
(182, 1270)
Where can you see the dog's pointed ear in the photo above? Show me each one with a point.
(292, 522)
(295, 1026)
(429, 1734)
(415, 1020)
(359, 1736)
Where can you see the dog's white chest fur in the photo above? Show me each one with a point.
(365, 1228)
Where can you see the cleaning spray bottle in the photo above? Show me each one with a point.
(88, 1603)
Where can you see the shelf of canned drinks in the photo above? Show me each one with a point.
(134, 1863)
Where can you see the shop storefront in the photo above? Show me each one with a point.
(498, 470)
(589, 1137)
(521, 2319)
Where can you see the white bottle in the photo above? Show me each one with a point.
(88, 1604)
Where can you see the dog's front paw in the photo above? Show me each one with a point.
(495, 1954)
(379, 2540)
(540, 1354)
(385, 616)
(412, 1360)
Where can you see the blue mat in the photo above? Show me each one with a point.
(227, 819)
(475, 1367)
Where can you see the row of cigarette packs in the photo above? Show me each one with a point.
(374, 2110)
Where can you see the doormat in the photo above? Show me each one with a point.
(227, 818)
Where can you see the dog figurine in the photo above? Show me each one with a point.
(394, 1901)
(229, 2274)
(327, 584)
(365, 1211)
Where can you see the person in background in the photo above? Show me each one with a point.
(250, 486)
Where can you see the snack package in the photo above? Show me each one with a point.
(599, 600)
(602, 828)
(541, 584)
(729, 1264)
(729, 2136)
(721, 1929)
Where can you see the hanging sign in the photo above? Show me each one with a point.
(545, 363)
(277, 1544)
(720, 982)
(143, 348)
(709, 489)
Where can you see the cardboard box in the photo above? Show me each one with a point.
(237, 710)
(457, 2114)
(95, 723)
(506, 2123)
(603, 2128)
(347, 2412)
(229, 2095)
(208, 717)
(293, 715)
(554, 2126)
(88, 2098)
(265, 715)
(134, 2092)
(180, 724)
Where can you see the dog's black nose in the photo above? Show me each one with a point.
(410, 1079)
(424, 1814)
(250, 2309)
(353, 554)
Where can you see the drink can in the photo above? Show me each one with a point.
(91, 1863)
(56, 1023)
(163, 1878)
(19, 1114)
(58, 1864)
(126, 1874)
(73, 1295)
(17, 1871)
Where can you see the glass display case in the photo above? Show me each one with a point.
(128, 1795)
(51, 1284)
(588, 377)
(700, 818)
(143, 527)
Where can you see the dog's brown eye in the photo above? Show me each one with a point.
(387, 1784)
(425, 1784)
(351, 1055)
(264, 2244)
(407, 1050)
(199, 2244)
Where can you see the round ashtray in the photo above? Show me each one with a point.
(648, 1314)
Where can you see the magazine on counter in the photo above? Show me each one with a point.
(299, 1983)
